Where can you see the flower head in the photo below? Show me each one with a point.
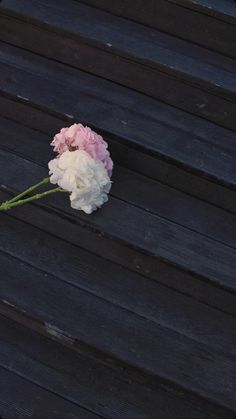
(78, 137)
(86, 179)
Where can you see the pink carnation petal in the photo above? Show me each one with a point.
(79, 137)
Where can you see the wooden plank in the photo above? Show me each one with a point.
(93, 86)
(108, 390)
(40, 11)
(147, 233)
(175, 206)
(214, 28)
(224, 10)
(99, 314)
(167, 119)
(201, 186)
(150, 347)
(136, 160)
(149, 265)
(168, 69)
(22, 399)
(95, 241)
(208, 157)
(132, 187)
(120, 286)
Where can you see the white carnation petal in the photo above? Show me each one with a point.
(84, 177)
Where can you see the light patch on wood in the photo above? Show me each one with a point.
(58, 334)
(23, 98)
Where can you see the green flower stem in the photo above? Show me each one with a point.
(28, 191)
(8, 205)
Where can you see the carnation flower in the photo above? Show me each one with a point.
(78, 137)
(82, 168)
(86, 179)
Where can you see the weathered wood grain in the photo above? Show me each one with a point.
(129, 312)
(145, 232)
(153, 63)
(182, 155)
(210, 23)
(126, 289)
(147, 347)
(134, 188)
(99, 386)
(19, 398)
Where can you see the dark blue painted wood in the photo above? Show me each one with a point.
(210, 23)
(129, 312)
(188, 146)
(173, 71)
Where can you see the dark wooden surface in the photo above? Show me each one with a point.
(210, 23)
(128, 313)
(172, 70)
